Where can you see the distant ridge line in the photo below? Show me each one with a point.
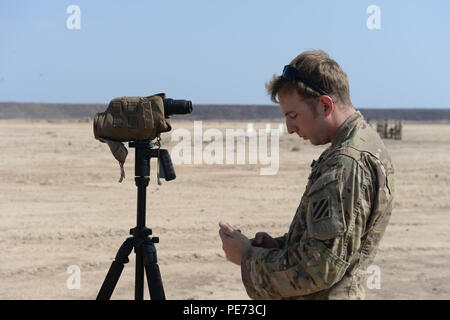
(53, 111)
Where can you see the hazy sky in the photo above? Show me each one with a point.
(221, 51)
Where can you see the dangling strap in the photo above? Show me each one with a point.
(119, 152)
(122, 172)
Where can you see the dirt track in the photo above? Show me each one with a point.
(61, 205)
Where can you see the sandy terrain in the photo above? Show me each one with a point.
(61, 205)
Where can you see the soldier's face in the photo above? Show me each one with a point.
(301, 119)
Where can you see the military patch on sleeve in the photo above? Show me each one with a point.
(320, 209)
(325, 213)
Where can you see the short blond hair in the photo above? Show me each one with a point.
(321, 69)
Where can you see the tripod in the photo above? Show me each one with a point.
(141, 242)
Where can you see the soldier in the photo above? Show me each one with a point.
(348, 199)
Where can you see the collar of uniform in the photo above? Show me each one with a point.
(346, 127)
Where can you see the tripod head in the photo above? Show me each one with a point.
(144, 152)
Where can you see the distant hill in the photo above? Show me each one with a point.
(52, 111)
(261, 112)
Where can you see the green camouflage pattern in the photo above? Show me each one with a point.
(338, 225)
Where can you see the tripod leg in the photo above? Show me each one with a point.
(139, 274)
(115, 270)
(154, 280)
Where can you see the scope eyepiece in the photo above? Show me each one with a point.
(172, 106)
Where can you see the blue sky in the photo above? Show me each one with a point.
(221, 51)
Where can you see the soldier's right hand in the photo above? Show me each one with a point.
(264, 240)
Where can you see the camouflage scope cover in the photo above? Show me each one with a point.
(132, 119)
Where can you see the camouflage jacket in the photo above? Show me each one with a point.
(338, 225)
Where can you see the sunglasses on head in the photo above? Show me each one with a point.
(291, 73)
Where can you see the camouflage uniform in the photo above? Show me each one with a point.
(338, 225)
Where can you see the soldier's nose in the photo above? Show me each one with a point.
(291, 128)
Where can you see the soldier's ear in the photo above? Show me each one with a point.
(327, 104)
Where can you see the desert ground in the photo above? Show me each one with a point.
(61, 205)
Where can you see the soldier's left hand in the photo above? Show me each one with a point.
(234, 242)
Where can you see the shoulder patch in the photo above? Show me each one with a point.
(320, 209)
(325, 214)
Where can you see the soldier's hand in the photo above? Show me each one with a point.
(234, 242)
(264, 240)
